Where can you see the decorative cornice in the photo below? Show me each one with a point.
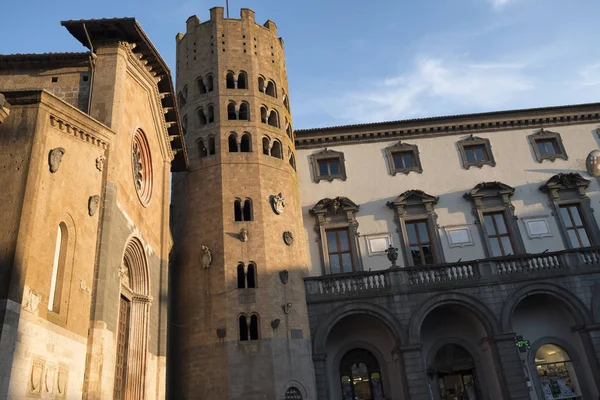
(72, 130)
(449, 125)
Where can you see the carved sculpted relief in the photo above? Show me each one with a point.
(278, 203)
(100, 161)
(244, 235)
(288, 238)
(31, 300)
(283, 276)
(205, 257)
(35, 376)
(55, 157)
(142, 167)
(93, 204)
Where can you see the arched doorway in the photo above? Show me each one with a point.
(454, 371)
(360, 376)
(132, 327)
(556, 373)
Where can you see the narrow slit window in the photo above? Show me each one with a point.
(251, 276)
(241, 276)
(242, 81)
(244, 112)
(237, 210)
(247, 210)
(230, 81)
(58, 270)
(246, 144)
(211, 145)
(233, 148)
(243, 322)
(254, 327)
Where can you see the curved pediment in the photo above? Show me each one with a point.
(489, 189)
(571, 180)
(333, 206)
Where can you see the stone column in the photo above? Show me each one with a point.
(509, 367)
(320, 362)
(414, 369)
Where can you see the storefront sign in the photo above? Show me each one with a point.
(521, 344)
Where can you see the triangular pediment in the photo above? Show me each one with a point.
(413, 196)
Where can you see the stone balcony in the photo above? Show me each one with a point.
(487, 271)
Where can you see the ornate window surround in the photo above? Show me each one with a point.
(336, 214)
(402, 206)
(489, 197)
(475, 141)
(403, 148)
(547, 135)
(570, 189)
(327, 154)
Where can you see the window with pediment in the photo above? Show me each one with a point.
(418, 231)
(496, 218)
(328, 165)
(403, 158)
(547, 145)
(475, 152)
(567, 195)
(337, 230)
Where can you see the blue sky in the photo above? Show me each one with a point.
(353, 61)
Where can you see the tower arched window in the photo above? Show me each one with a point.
(181, 99)
(201, 117)
(246, 143)
(264, 116)
(202, 150)
(286, 101)
(209, 83)
(247, 210)
(201, 85)
(230, 80)
(241, 276)
(237, 210)
(271, 89)
(242, 80)
(251, 276)
(276, 150)
(261, 84)
(288, 129)
(58, 268)
(184, 124)
(211, 113)
(266, 146)
(274, 119)
(254, 328)
(211, 145)
(244, 111)
(233, 147)
(231, 114)
(292, 161)
(244, 331)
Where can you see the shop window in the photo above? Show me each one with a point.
(231, 114)
(337, 229)
(328, 165)
(242, 82)
(403, 158)
(418, 227)
(556, 374)
(475, 152)
(496, 219)
(360, 376)
(547, 146)
(246, 143)
(576, 222)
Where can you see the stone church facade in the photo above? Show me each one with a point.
(439, 258)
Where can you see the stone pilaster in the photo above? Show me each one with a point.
(414, 369)
(509, 367)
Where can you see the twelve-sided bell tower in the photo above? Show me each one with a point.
(239, 325)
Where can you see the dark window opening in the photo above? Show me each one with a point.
(476, 154)
(276, 150)
(547, 147)
(329, 167)
(242, 81)
(230, 81)
(286, 102)
(211, 114)
(261, 84)
(231, 114)
(420, 245)
(244, 111)
(263, 115)
(202, 117)
(241, 277)
(251, 276)
(266, 145)
(246, 145)
(202, 150)
(254, 327)
(288, 130)
(293, 161)
(237, 210)
(576, 229)
(243, 328)
(271, 89)
(233, 148)
(54, 79)
(211, 146)
(247, 210)
(209, 83)
(274, 119)
(85, 78)
(404, 160)
(201, 86)
(338, 250)
(498, 235)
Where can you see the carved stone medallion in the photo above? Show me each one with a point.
(287, 308)
(93, 204)
(278, 203)
(275, 323)
(100, 163)
(221, 332)
(205, 257)
(243, 235)
(55, 157)
(283, 276)
(288, 238)
(35, 376)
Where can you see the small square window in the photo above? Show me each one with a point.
(547, 146)
(475, 152)
(403, 158)
(328, 165)
(54, 79)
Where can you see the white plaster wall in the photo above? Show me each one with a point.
(370, 185)
(42, 339)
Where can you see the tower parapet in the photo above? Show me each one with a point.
(240, 327)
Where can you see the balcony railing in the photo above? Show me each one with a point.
(398, 280)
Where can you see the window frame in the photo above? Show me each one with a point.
(494, 197)
(569, 189)
(403, 148)
(473, 141)
(339, 253)
(497, 236)
(543, 136)
(323, 155)
(332, 214)
(405, 207)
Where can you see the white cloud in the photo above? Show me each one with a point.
(501, 3)
(434, 86)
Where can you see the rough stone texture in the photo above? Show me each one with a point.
(203, 211)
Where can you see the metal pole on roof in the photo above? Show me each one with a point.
(227, 7)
